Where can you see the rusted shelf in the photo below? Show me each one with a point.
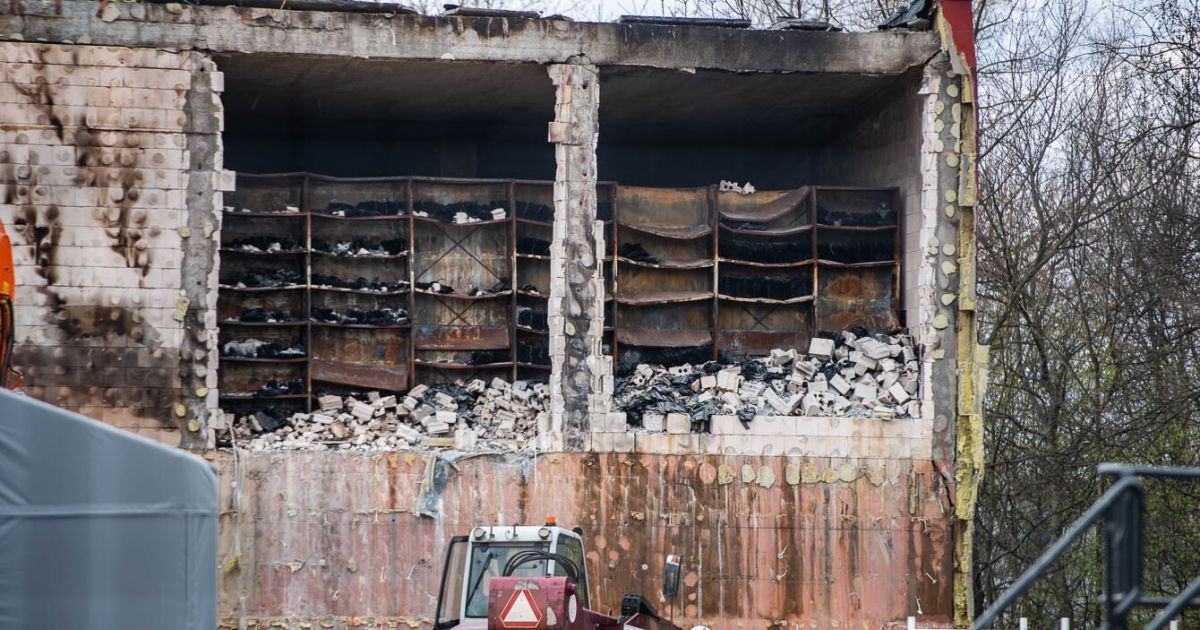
(535, 331)
(461, 366)
(234, 322)
(532, 256)
(270, 215)
(795, 300)
(392, 378)
(451, 223)
(679, 233)
(534, 366)
(363, 257)
(463, 296)
(694, 263)
(290, 287)
(761, 341)
(862, 265)
(856, 228)
(784, 231)
(290, 252)
(748, 263)
(664, 297)
(251, 396)
(321, 287)
(258, 360)
(361, 326)
(544, 296)
(534, 222)
(427, 337)
(660, 338)
(381, 217)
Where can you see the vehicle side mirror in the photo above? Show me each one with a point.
(671, 577)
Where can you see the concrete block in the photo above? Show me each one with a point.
(727, 425)
(820, 347)
(651, 443)
(654, 422)
(679, 423)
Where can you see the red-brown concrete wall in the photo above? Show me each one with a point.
(334, 540)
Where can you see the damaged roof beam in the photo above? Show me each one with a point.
(462, 38)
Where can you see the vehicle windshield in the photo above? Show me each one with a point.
(487, 561)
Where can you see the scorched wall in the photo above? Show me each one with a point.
(111, 181)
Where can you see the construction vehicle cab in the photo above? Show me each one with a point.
(473, 561)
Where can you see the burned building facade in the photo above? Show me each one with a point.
(700, 290)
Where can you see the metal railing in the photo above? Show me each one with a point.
(1121, 508)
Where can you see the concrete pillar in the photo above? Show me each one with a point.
(197, 305)
(576, 314)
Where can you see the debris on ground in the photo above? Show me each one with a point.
(849, 374)
(465, 416)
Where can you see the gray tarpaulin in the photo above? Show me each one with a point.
(99, 528)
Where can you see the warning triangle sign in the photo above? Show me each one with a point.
(521, 611)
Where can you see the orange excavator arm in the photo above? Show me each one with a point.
(8, 283)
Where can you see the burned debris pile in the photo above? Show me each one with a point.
(361, 247)
(259, 315)
(466, 416)
(358, 317)
(261, 279)
(851, 374)
(258, 349)
(361, 284)
(264, 245)
(366, 209)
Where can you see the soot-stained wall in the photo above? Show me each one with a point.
(101, 181)
(347, 540)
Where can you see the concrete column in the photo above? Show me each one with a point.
(197, 305)
(576, 314)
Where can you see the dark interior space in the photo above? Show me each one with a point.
(687, 128)
(675, 128)
(369, 118)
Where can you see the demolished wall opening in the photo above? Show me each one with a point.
(387, 279)
(699, 270)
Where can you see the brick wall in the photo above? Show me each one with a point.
(94, 174)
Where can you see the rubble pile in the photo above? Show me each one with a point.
(496, 415)
(851, 374)
(461, 211)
